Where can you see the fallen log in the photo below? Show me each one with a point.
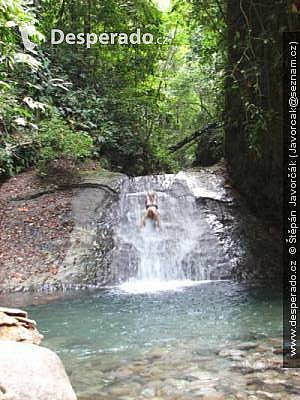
(192, 137)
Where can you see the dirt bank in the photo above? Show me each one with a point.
(36, 223)
(35, 232)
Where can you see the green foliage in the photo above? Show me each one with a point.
(256, 126)
(254, 72)
(57, 140)
(192, 77)
(6, 161)
(131, 101)
(18, 134)
(19, 111)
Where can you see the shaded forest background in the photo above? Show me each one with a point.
(214, 89)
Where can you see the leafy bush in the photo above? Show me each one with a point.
(17, 134)
(58, 141)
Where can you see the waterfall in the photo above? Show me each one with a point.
(185, 248)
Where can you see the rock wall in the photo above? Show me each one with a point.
(87, 260)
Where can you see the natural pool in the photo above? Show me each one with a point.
(204, 339)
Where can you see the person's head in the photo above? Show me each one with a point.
(151, 196)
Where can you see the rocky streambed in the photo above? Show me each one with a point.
(240, 371)
(214, 340)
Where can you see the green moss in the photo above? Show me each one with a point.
(100, 173)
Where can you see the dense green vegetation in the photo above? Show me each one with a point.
(125, 105)
(128, 105)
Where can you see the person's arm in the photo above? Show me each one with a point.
(143, 221)
(155, 200)
(147, 199)
(158, 221)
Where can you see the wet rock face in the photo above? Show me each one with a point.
(88, 259)
(126, 264)
(29, 372)
(247, 240)
(15, 325)
(184, 248)
(219, 237)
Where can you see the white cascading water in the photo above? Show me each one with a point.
(184, 251)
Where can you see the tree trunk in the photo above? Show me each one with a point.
(253, 144)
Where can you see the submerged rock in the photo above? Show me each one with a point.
(216, 396)
(247, 346)
(148, 392)
(232, 354)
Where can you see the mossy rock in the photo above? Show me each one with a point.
(100, 173)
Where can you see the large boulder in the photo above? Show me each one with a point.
(30, 372)
(15, 325)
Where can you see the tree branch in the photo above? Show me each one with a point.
(37, 194)
(192, 137)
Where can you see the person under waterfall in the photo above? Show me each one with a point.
(151, 210)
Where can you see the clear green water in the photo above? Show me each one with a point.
(107, 329)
